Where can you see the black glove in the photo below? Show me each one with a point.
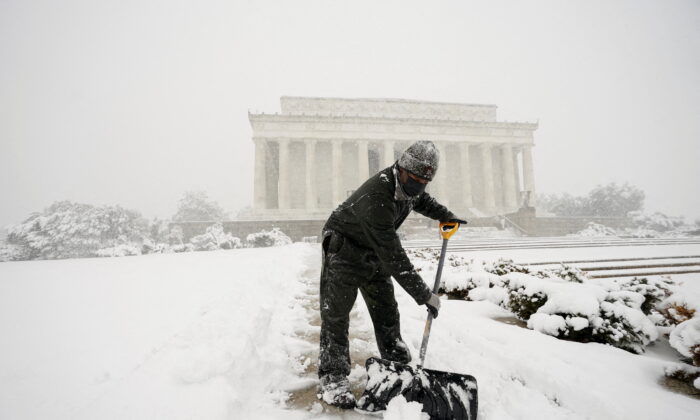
(451, 218)
(433, 305)
(456, 220)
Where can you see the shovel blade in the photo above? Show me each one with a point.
(444, 395)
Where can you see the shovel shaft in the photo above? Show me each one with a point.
(429, 321)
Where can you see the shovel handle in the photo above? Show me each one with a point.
(446, 231)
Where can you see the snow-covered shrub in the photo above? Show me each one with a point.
(573, 309)
(215, 238)
(175, 236)
(122, 250)
(581, 315)
(10, 252)
(677, 308)
(72, 230)
(569, 273)
(526, 294)
(653, 290)
(641, 232)
(686, 339)
(595, 230)
(684, 372)
(623, 324)
(274, 237)
(657, 221)
(505, 266)
(188, 247)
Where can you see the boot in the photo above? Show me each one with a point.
(335, 390)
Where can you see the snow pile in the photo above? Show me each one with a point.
(595, 230)
(274, 237)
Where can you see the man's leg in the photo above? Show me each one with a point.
(337, 299)
(337, 296)
(384, 311)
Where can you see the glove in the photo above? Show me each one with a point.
(433, 305)
(456, 220)
(451, 218)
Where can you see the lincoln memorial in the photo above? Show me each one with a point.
(317, 151)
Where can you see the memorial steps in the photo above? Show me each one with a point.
(630, 266)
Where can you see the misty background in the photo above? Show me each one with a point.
(135, 102)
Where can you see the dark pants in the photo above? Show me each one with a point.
(347, 268)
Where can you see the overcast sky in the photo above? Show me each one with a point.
(135, 102)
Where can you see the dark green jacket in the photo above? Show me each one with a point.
(370, 217)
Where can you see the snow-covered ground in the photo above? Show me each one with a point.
(234, 335)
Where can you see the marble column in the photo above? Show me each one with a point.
(337, 169)
(516, 178)
(362, 161)
(509, 199)
(283, 180)
(388, 153)
(528, 174)
(311, 203)
(466, 181)
(442, 176)
(487, 176)
(260, 186)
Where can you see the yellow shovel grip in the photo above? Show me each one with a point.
(447, 229)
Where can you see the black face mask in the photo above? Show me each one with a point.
(412, 187)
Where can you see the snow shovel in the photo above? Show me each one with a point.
(444, 395)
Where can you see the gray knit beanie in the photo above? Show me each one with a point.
(421, 159)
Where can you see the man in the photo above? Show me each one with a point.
(361, 250)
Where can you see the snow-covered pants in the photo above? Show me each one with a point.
(347, 268)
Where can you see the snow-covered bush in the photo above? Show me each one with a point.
(122, 250)
(504, 266)
(569, 273)
(215, 238)
(72, 230)
(677, 308)
(684, 372)
(572, 308)
(653, 290)
(686, 339)
(274, 237)
(10, 252)
(175, 236)
(657, 221)
(595, 230)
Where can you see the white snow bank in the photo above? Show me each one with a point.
(212, 335)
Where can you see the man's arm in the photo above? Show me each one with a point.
(429, 207)
(376, 216)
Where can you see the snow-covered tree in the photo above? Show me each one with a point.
(611, 200)
(615, 200)
(195, 206)
(72, 230)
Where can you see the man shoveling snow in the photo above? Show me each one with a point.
(361, 250)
